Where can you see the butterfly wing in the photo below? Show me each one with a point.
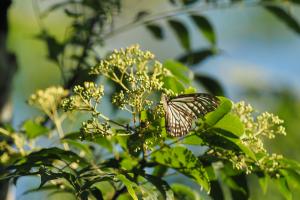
(178, 121)
(180, 111)
(199, 103)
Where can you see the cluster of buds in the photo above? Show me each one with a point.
(136, 72)
(85, 97)
(257, 127)
(48, 100)
(93, 128)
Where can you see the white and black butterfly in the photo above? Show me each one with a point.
(180, 111)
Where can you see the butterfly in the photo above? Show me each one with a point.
(182, 110)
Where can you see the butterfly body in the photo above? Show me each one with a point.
(182, 110)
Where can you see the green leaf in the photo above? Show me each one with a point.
(97, 193)
(100, 140)
(80, 146)
(181, 32)
(285, 17)
(33, 129)
(283, 188)
(144, 115)
(211, 172)
(196, 57)
(243, 147)
(238, 187)
(193, 140)
(161, 185)
(213, 117)
(184, 161)
(72, 135)
(263, 182)
(232, 184)
(173, 84)
(290, 164)
(205, 27)
(105, 143)
(47, 175)
(210, 84)
(190, 90)
(232, 124)
(49, 188)
(160, 170)
(45, 157)
(292, 177)
(128, 163)
(129, 185)
(183, 192)
(180, 71)
(156, 31)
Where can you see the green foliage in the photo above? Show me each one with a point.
(183, 160)
(111, 158)
(34, 129)
(182, 33)
(119, 154)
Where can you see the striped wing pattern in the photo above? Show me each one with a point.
(180, 111)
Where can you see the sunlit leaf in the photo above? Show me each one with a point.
(192, 140)
(33, 129)
(225, 107)
(183, 160)
(128, 163)
(243, 147)
(283, 188)
(232, 124)
(183, 192)
(180, 71)
(129, 185)
(173, 84)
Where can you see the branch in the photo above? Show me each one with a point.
(181, 11)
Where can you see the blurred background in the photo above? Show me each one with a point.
(258, 61)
